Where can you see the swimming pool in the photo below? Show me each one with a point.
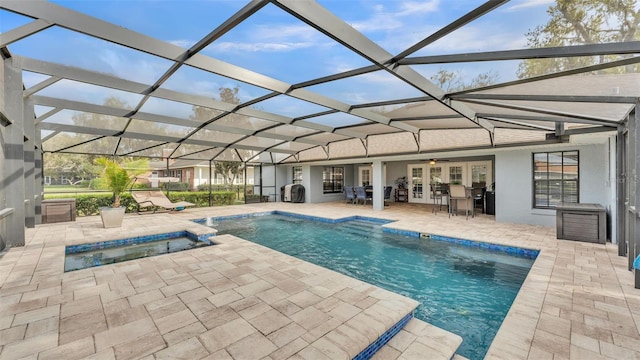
(463, 289)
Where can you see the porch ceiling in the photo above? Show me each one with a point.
(287, 118)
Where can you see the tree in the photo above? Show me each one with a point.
(452, 81)
(581, 22)
(229, 170)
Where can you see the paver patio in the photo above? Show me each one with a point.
(239, 300)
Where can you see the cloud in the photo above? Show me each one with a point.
(529, 4)
(261, 46)
(183, 43)
(385, 19)
(418, 7)
(273, 38)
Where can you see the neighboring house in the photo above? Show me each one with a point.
(195, 173)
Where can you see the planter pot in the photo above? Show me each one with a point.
(112, 217)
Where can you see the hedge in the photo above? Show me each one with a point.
(87, 205)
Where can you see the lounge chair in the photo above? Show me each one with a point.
(157, 199)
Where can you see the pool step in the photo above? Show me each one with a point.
(420, 340)
(362, 229)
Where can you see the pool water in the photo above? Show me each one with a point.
(463, 289)
(111, 255)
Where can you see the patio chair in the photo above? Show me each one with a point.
(387, 194)
(349, 195)
(437, 195)
(361, 194)
(458, 197)
(156, 199)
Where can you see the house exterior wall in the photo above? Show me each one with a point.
(514, 182)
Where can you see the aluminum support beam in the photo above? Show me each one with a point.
(621, 169)
(577, 118)
(23, 31)
(455, 25)
(621, 48)
(582, 70)
(12, 189)
(315, 15)
(557, 98)
(29, 164)
(634, 241)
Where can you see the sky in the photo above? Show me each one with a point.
(274, 43)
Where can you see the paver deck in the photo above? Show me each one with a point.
(238, 300)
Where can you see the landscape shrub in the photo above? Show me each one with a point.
(90, 204)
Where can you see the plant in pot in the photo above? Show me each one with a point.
(117, 177)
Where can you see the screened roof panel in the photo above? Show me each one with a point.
(325, 138)
(450, 139)
(156, 152)
(373, 129)
(347, 148)
(244, 122)
(187, 149)
(367, 88)
(420, 109)
(190, 80)
(132, 146)
(104, 145)
(203, 155)
(216, 136)
(391, 143)
(12, 20)
(168, 107)
(64, 140)
(504, 136)
(31, 78)
(290, 106)
(271, 33)
(611, 112)
(441, 123)
(41, 110)
(229, 155)
(308, 74)
(290, 131)
(153, 128)
(86, 119)
(337, 120)
(397, 25)
(315, 153)
(92, 94)
(292, 147)
(258, 142)
(108, 58)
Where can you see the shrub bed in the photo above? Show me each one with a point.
(87, 205)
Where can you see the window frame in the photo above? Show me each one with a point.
(296, 174)
(563, 178)
(332, 178)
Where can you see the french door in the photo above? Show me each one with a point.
(417, 180)
(421, 176)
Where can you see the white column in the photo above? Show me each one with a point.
(378, 186)
(12, 189)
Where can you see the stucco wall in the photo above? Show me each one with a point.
(514, 182)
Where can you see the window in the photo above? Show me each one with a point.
(332, 179)
(175, 173)
(555, 178)
(297, 174)
(455, 175)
